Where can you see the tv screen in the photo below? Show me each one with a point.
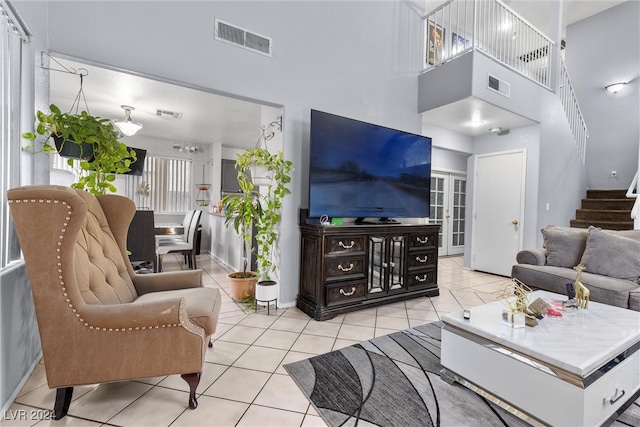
(137, 166)
(362, 170)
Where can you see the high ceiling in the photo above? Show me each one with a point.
(208, 117)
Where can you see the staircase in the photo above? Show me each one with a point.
(607, 209)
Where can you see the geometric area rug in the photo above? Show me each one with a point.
(394, 380)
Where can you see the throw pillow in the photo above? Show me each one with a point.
(564, 245)
(612, 254)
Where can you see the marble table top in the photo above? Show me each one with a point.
(579, 342)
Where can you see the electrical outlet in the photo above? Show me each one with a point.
(614, 174)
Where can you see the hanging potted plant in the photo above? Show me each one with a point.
(260, 208)
(92, 140)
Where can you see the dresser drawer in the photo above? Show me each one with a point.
(342, 268)
(422, 259)
(346, 293)
(422, 240)
(345, 245)
(421, 278)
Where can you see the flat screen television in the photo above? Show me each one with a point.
(362, 170)
(138, 166)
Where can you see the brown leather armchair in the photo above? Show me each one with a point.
(98, 320)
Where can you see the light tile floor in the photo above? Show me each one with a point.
(243, 381)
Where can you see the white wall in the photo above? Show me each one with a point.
(601, 50)
(363, 65)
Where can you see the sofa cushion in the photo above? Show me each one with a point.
(564, 245)
(606, 290)
(612, 254)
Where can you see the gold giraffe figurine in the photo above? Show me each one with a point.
(582, 293)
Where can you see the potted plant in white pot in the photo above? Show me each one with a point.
(92, 140)
(260, 207)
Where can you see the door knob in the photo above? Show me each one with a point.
(514, 222)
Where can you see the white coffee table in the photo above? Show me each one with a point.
(577, 370)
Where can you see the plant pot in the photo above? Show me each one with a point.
(260, 175)
(73, 150)
(243, 285)
(266, 292)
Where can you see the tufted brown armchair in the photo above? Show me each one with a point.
(98, 320)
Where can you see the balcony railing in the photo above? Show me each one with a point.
(492, 27)
(572, 110)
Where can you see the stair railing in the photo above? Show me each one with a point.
(492, 28)
(573, 112)
(632, 193)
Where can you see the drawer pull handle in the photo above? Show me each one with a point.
(423, 279)
(422, 260)
(349, 246)
(615, 397)
(422, 241)
(340, 267)
(348, 294)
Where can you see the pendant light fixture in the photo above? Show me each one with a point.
(127, 127)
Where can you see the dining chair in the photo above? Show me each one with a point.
(187, 248)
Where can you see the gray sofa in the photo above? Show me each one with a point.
(611, 260)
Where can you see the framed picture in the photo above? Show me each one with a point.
(435, 43)
(458, 43)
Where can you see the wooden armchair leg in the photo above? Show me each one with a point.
(63, 400)
(193, 380)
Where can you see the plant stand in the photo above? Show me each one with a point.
(266, 293)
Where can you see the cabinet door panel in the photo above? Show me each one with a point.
(377, 264)
(396, 262)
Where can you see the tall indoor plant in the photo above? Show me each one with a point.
(91, 139)
(259, 207)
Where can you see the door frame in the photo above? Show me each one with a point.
(523, 181)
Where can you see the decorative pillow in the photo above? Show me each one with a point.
(564, 245)
(612, 254)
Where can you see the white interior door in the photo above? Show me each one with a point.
(498, 206)
(448, 198)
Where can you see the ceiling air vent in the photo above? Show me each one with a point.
(169, 114)
(237, 36)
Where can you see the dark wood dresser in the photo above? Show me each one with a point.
(352, 267)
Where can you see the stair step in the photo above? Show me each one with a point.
(603, 215)
(606, 194)
(608, 204)
(605, 225)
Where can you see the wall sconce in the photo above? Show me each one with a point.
(615, 87)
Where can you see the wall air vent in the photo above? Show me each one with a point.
(169, 114)
(237, 36)
(500, 86)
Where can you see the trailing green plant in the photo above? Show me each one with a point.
(259, 208)
(102, 155)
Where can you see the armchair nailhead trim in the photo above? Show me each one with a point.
(184, 321)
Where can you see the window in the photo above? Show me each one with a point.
(170, 185)
(12, 36)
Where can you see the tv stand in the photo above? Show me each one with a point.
(382, 221)
(345, 268)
